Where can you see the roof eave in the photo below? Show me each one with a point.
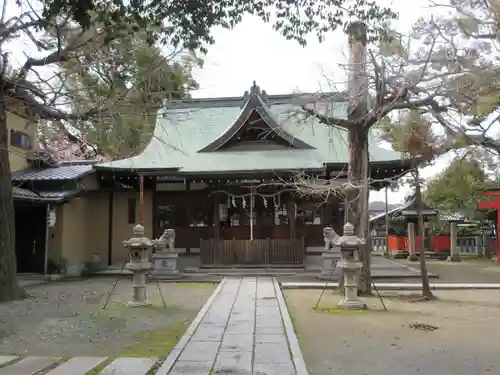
(232, 173)
(392, 162)
(142, 171)
(49, 200)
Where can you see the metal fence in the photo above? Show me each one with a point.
(470, 245)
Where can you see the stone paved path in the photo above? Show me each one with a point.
(244, 329)
(241, 333)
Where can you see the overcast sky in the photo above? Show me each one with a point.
(254, 51)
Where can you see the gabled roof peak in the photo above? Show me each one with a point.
(254, 91)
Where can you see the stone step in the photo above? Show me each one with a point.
(129, 366)
(246, 269)
(242, 272)
(76, 366)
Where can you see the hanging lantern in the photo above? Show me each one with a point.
(264, 201)
(243, 202)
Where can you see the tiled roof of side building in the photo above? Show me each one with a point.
(62, 172)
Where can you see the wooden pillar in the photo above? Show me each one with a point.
(291, 216)
(216, 220)
(189, 213)
(141, 200)
(110, 226)
(327, 209)
(327, 214)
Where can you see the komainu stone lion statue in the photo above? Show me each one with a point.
(330, 236)
(166, 242)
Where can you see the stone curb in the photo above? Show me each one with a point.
(394, 286)
(176, 352)
(298, 360)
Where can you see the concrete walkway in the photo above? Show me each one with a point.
(246, 329)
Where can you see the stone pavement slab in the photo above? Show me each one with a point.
(241, 332)
(129, 366)
(191, 368)
(28, 366)
(273, 368)
(77, 366)
(202, 351)
(233, 363)
(6, 358)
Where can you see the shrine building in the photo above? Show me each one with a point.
(218, 171)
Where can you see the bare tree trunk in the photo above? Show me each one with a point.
(357, 173)
(9, 289)
(426, 288)
(365, 280)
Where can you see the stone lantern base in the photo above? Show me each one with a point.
(351, 300)
(165, 265)
(356, 304)
(139, 283)
(413, 257)
(329, 264)
(138, 303)
(454, 258)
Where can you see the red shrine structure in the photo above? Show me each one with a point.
(493, 202)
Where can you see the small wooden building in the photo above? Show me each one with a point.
(218, 171)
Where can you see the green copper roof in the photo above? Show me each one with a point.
(188, 133)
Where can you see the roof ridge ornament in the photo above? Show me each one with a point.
(254, 91)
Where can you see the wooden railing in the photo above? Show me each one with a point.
(252, 252)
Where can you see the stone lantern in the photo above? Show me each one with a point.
(138, 247)
(330, 256)
(349, 246)
(165, 256)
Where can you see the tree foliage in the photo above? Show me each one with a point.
(446, 68)
(465, 42)
(131, 79)
(190, 23)
(458, 188)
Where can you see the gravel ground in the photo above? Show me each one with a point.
(375, 342)
(67, 319)
(467, 271)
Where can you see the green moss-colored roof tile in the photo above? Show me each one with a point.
(183, 129)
